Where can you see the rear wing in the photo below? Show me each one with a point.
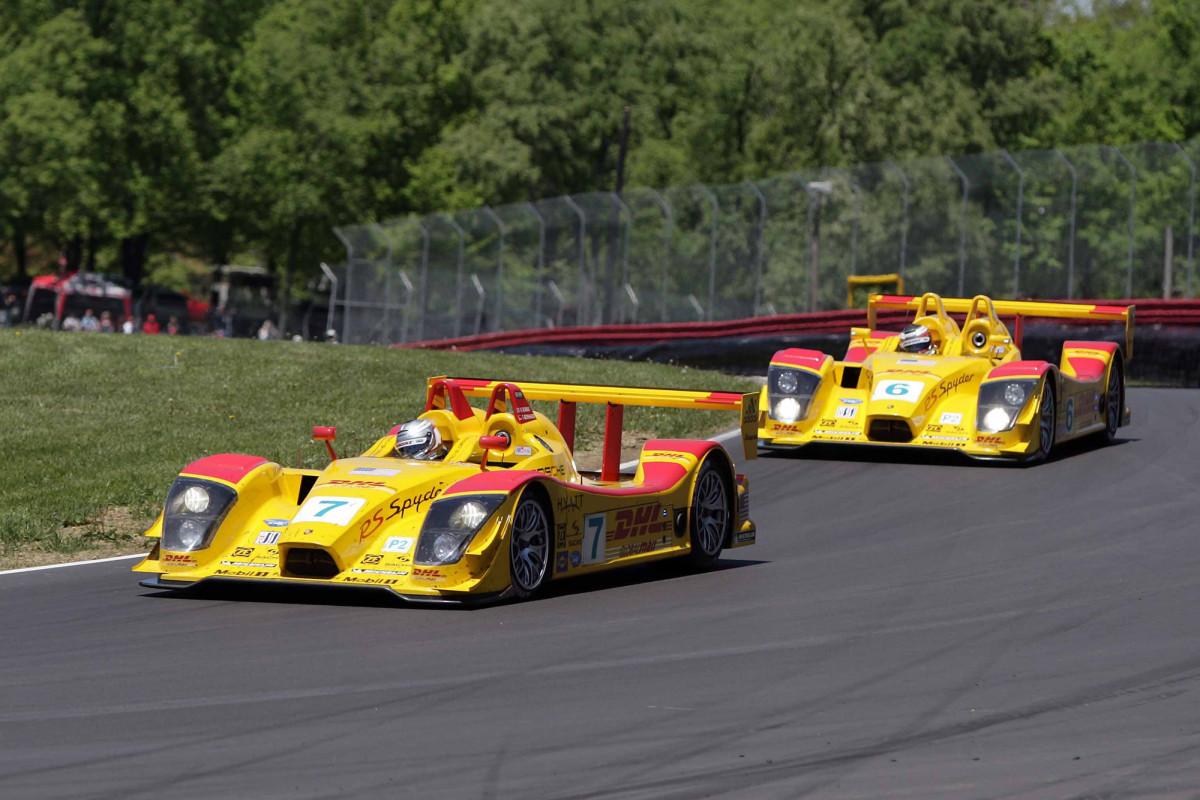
(567, 395)
(1018, 309)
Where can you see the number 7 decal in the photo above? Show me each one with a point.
(593, 538)
(334, 510)
(330, 505)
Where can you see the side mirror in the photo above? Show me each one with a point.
(326, 434)
(500, 441)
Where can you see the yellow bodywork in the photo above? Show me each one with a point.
(358, 522)
(880, 395)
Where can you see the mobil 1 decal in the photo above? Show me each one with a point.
(625, 532)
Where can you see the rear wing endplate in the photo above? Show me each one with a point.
(1018, 309)
(615, 398)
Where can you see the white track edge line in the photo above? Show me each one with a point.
(70, 564)
(720, 437)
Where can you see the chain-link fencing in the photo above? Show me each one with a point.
(1082, 222)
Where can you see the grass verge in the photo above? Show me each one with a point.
(96, 426)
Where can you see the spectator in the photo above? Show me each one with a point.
(267, 331)
(12, 309)
(90, 322)
(127, 325)
(151, 326)
(71, 323)
(173, 326)
(216, 320)
(106, 322)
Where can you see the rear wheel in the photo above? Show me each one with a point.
(1113, 401)
(1047, 424)
(530, 548)
(711, 516)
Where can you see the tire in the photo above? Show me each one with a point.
(1047, 423)
(711, 514)
(530, 546)
(1114, 401)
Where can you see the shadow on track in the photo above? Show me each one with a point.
(867, 454)
(217, 589)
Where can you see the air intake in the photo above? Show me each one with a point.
(889, 430)
(309, 562)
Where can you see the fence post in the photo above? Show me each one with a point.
(854, 187)
(499, 268)
(333, 282)
(712, 249)
(1071, 240)
(424, 278)
(1132, 219)
(1168, 262)
(668, 223)
(387, 282)
(1191, 214)
(349, 275)
(962, 237)
(758, 251)
(1020, 198)
(458, 272)
(622, 209)
(581, 302)
(904, 221)
(541, 262)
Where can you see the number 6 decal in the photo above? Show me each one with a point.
(593, 538)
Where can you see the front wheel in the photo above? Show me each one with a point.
(530, 547)
(1113, 398)
(1047, 424)
(711, 516)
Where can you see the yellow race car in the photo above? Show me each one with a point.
(493, 507)
(935, 384)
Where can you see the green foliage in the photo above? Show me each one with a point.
(208, 127)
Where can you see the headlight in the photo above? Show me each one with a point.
(195, 500)
(450, 526)
(1014, 394)
(195, 510)
(786, 410)
(468, 516)
(1000, 404)
(789, 392)
(997, 419)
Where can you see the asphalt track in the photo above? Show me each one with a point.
(914, 630)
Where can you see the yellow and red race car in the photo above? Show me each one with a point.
(503, 511)
(965, 389)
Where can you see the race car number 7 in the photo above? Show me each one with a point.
(336, 510)
(593, 538)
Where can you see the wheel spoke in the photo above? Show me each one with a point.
(709, 513)
(530, 545)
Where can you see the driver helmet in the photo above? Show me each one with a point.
(419, 439)
(917, 339)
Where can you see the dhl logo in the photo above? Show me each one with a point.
(632, 523)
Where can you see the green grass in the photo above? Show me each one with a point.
(94, 422)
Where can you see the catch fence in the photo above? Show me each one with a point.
(1082, 222)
